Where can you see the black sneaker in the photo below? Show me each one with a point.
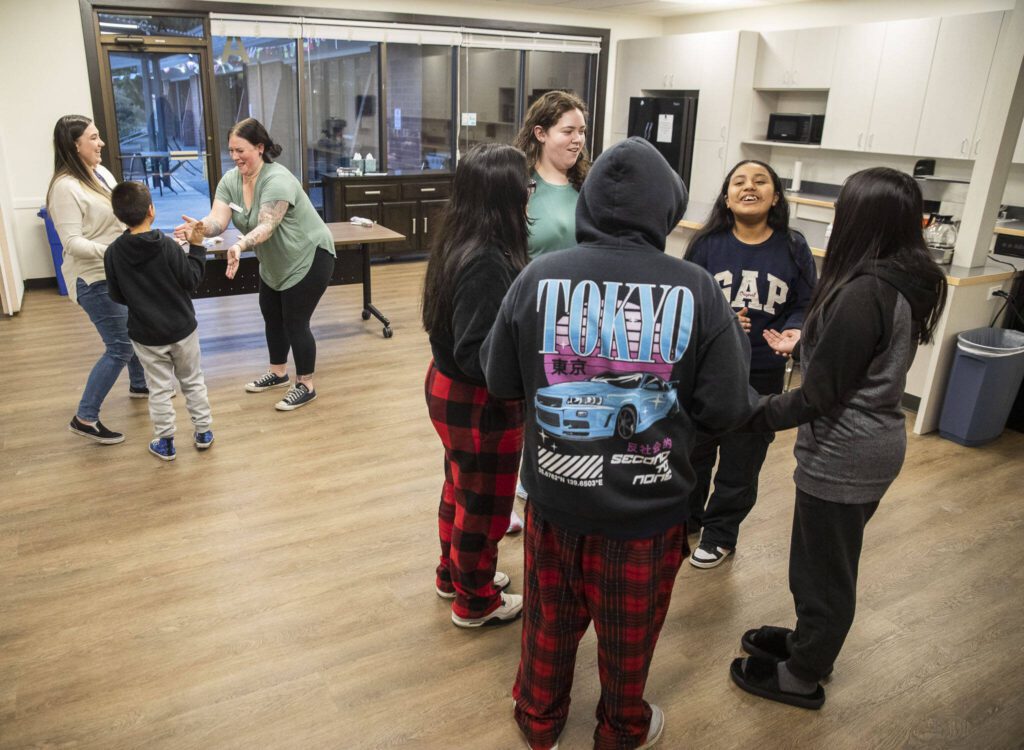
(298, 396)
(265, 382)
(134, 392)
(708, 555)
(98, 432)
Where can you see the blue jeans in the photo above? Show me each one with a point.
(111, 321)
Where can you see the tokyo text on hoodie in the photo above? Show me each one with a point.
(622, 355)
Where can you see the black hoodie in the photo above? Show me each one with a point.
(854, 362)
(153, 276)
(622, 354)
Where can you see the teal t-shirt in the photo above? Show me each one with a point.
(553, 211)
(285, 258)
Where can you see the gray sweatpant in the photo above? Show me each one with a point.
(162, 364)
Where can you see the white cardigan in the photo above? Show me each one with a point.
(86, 224)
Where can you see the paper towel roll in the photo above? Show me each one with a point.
(797, 167)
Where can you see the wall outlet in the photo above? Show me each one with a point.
(992, 291)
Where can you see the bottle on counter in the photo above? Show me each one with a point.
(357, 162)
(369, 163)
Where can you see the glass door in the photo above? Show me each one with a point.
(157, 103)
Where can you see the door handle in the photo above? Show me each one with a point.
(414, 226)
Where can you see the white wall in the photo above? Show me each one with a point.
(46, 78)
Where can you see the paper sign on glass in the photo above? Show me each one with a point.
(469, 119)
(665, 128)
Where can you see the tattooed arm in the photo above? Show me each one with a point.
(213, 223)
(270, 216)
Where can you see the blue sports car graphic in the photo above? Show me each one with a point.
(606, 405)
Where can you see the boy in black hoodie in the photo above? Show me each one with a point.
(148, 272)
(622, 354)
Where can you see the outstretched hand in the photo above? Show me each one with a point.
(234, 254)
(783, 343)
(744, 318)
(182, 232)
(197, 233)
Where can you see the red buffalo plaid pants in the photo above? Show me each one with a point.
(624, 587)
(483, 442)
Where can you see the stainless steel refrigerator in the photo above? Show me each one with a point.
(668, 122)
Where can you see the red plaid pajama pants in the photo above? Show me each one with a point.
(624, 587)
(483, 442)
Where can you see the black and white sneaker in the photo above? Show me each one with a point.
(298, 396)
(266, 381)
(96, 432)
(134, 392)
(708, 555)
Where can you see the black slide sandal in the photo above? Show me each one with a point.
(758, 677)
(767, 642)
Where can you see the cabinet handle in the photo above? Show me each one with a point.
(427, 190)
(414, 226)
(792, 78)
(371, 192)
(426, 225)
(860, 138)
(871, 140)
(977, 145)
(963, 147)
(720, 150)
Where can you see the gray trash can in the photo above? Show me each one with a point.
(986, 376)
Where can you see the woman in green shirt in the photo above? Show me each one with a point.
(293, 245)
(554, 141)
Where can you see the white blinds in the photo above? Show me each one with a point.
(322, 28)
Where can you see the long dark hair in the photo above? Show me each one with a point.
(487, 211)
(546, 112)
(66, 160)
(878, 226)
(721, 219)
(253, 131)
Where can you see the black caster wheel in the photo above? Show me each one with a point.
(388, 333)
(365, 314)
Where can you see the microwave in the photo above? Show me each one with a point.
(795, 128)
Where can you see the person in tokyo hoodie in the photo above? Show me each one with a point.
(622, 354)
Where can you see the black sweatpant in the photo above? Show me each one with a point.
(823, 559)
(286, 315)
(740, 456)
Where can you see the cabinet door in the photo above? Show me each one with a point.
(627, 82)
(365, 210)
(717, 80)
(683, 55)
(774, 59)
(430, 216)
(649, 58)
(813, 57)
(959, 72)
(707, 171)
(902, 80)
(852, 92)
(400, 216)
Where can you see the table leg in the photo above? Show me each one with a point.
(368, 308)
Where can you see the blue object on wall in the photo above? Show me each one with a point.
(56, 248)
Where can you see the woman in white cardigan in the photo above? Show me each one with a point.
(78, 201)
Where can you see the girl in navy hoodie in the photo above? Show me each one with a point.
(767, 274)
(479, 249)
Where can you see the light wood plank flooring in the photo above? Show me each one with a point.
(276, 591)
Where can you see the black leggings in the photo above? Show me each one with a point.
(287, 315)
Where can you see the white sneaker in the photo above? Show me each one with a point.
(511, 608)
(515, 523)
(501, 582)
(521, 492)
(657, 725)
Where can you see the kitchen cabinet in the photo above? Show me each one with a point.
(959, 72)
(409, 204)
(707, 170)
(796, 59)
(878, 86)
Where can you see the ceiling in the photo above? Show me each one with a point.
(658, 7)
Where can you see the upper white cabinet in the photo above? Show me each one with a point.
(800, 59)
(956, 85)
(878, 86)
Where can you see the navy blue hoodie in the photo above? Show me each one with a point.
(622, 354)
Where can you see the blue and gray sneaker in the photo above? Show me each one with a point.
(265, 382)
(163, 448)
(298, 396)
(203, 440)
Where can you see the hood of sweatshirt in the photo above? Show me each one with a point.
(143, 248)
(917, 292)
(631, 198)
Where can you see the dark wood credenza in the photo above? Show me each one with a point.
(408, 204)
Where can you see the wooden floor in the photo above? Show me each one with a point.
(276, 591)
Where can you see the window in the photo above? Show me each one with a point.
(126, 24)
(565, 71)
(488, 96)
(258, 77)
(419, 102)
